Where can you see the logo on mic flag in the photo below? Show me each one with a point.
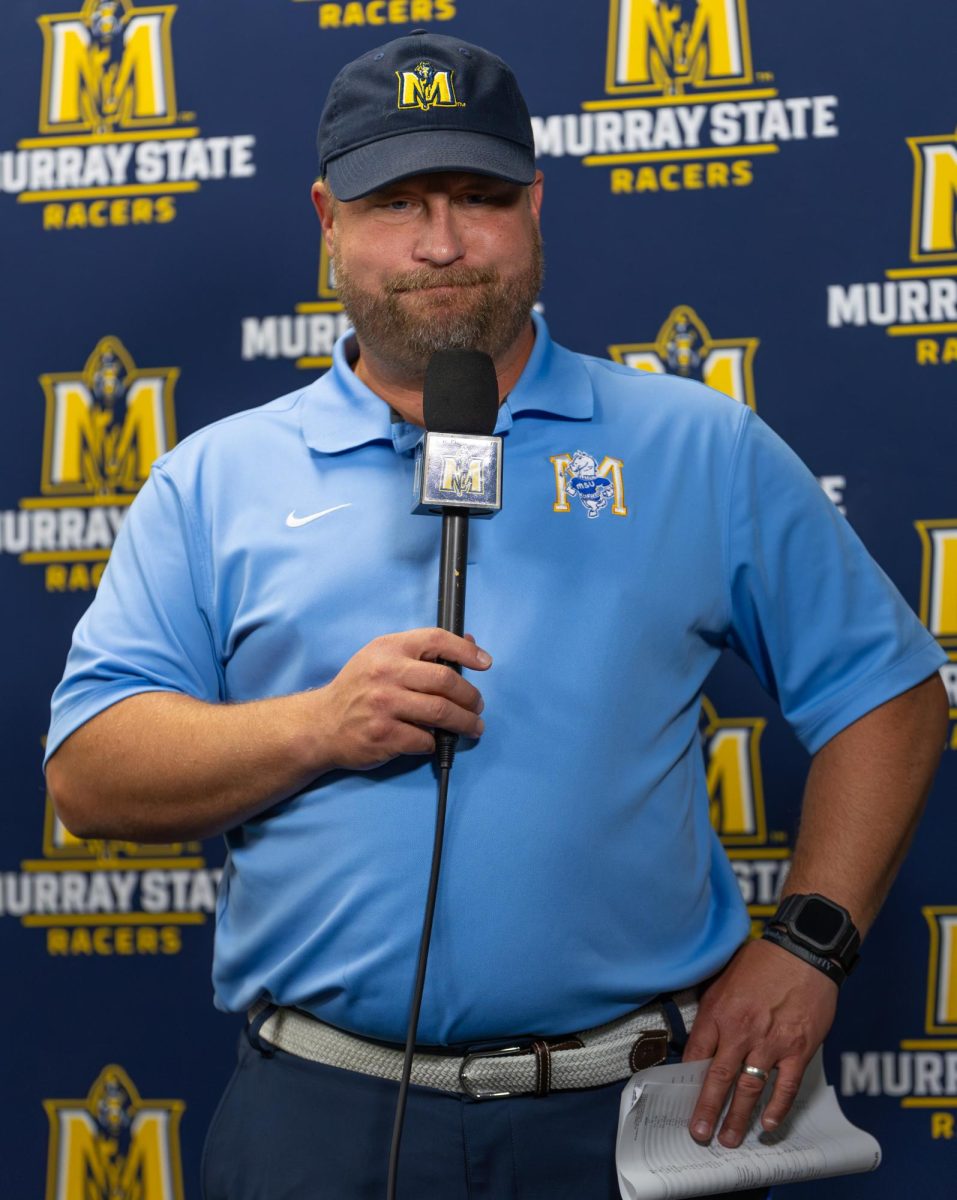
(458, 471)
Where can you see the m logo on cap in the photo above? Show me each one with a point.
(424, 87)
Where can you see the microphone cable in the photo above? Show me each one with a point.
(444, 769)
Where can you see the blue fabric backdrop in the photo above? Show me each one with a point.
(759, 194)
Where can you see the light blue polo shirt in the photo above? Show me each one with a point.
(648, 522)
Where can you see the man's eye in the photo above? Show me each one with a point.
(478, 198)
(397, 205)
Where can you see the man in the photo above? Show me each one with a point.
(273, 677)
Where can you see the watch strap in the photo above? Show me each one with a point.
(827, 966)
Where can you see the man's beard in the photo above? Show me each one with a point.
(488, 313)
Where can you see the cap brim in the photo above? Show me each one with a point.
(369, 168)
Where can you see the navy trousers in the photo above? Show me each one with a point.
(289, 1129)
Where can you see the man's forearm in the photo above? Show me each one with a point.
(162, 766)
(865, 792)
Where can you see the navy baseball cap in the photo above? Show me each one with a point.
(424, 102)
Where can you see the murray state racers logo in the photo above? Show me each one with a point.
(666, 48)
(357, 14)
(105, 424)
(918, 301)
(684, 346)
(105, 898)
(938, 600)
(761, 858)
(107, 67)
(305, 337)
(942, 971)
(735, 782)
(427, 87)
(114, 149)
(113, 1145)
(596, 485)
(934, 220)
(462, 473)
(922, 1073)
(938, 592)
(684, 108)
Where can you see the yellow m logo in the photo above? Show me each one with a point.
(934, 222)
(938, 592)
(108, 66)
(684, 346)
(942, 975)
(106, 426)
(113, 1144)
(735, 784)
(426, 88)
(462, 478)
(653, 46)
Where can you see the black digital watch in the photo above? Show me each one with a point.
(818, 931)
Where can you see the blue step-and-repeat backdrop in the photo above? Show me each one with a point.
(757, 193)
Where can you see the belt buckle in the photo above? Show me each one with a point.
(478, 1093)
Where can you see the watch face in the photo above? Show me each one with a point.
(819, 922)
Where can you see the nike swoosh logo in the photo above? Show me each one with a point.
(294, 522)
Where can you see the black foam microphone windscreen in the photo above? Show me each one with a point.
(460, 393)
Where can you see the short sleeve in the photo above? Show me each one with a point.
(825, 630)
(147, 628)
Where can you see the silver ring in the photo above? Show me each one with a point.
(757, 1072)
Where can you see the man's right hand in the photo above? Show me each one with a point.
(393, 692)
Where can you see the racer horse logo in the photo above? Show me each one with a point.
(592, 489)
(594, 483)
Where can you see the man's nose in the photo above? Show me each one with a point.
(439, 241)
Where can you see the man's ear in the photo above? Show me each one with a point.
(325, 205)
(535, 192)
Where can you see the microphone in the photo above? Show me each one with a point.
(458, 473)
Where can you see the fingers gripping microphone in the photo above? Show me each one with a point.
(458, 473)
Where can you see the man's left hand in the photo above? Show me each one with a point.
(766, 1009)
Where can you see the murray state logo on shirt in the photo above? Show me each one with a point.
(595, 485)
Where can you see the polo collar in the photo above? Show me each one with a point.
(340, 413)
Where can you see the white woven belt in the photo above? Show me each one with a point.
(579, 1060)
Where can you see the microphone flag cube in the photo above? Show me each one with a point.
(458, 470)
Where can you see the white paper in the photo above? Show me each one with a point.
(658, 1158)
